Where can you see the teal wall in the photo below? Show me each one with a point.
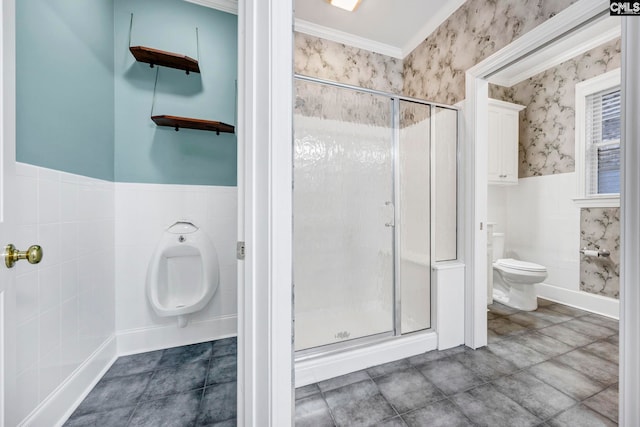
(65, 85)
(84, 103)
(145, 152)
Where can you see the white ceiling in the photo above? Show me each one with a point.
(390, 27)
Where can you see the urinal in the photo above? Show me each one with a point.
(183, 273)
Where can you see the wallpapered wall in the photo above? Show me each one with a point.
(547, 125)
(476, 30)
(328, 60)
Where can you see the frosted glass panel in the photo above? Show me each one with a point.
(343, 179)
(446, 183)
(415, 224)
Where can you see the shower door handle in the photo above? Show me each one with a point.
(390, 209)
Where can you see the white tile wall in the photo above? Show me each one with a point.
(143, 213)
(543, 226)
(65, 304)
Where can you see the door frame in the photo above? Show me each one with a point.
(475, 155)
(265, 113)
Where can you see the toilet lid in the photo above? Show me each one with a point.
(516, 264)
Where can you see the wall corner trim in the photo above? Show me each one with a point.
(229, 6)
(61, 403)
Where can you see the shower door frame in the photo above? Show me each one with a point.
(396, 331)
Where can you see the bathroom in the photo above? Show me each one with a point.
(97, 221)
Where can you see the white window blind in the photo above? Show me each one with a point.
(603, 142)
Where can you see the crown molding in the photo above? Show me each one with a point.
(337, 36)
(229, 6)
(443, 13)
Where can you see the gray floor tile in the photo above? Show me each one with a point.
(114, 393)
(387, 368)
(222, 369)
(518, 354)
(185, 354)
(114, 418)
(552, 316)
(176, 379)
(591, 365)
(307, 390)
(565, 309)
(537, 397)
(407, 390)
(134, 364)
(430, 356)
(358, 404)
(225, 347)
(393, 422)
(343, 380)
(228, 423)
(543, 344)
(528, 320)
(503, 326)
(605, 350)
(566, 335)
(313, 412)
(493, 337)
(501, 309)
(544, 302)
(218, 404)
(614, 339)
(589, 329)
(580, 416)
(486, 364)
(450, 376)
(607, 322)
(605, 402)
(484, 405)
(177, 410)
(492, 315)
(439, 414)
(565, 379)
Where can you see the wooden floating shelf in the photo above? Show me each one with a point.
(189, 123)
(168, 59)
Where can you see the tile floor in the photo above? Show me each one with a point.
(194, 385)
(557, 366)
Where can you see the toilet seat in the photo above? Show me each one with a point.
(516, 264)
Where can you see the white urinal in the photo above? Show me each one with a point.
(183, 273)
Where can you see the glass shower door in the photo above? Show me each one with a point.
(343, 234)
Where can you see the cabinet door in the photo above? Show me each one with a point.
(509, 148)
(495, 146)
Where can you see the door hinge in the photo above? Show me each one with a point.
(240, 250)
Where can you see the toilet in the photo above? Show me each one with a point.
(183, 273)
(514, 280)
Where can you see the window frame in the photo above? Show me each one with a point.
(583, 89)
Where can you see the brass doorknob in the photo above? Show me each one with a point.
(12, 255)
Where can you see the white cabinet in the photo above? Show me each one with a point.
(503, 142)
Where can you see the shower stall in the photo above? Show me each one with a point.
(372, 173)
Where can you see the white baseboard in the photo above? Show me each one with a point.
(61, 403)
(133, 341)
(324, 367)
(583, 300)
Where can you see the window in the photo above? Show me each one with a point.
(598, 140)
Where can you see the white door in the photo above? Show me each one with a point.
(8, 213)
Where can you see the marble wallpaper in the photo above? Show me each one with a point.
(435, 70)
(547, 125)
(328, 60)
(600, 229)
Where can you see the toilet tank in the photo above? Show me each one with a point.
(498, 246)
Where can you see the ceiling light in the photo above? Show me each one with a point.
(349, 5)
